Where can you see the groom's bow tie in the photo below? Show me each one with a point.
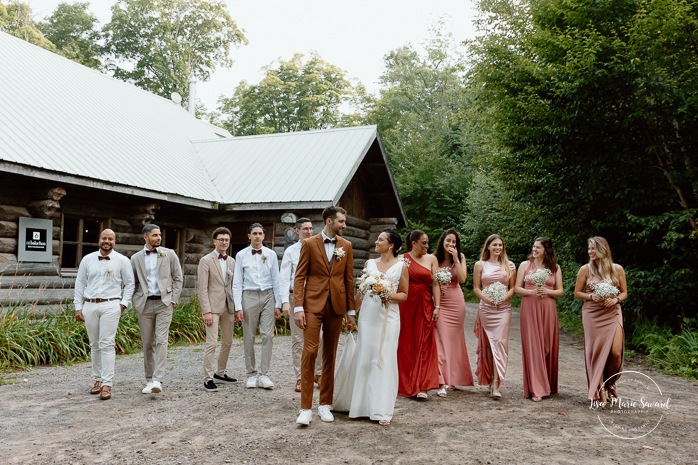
(153, 250)
(256, 251)
(330, 241)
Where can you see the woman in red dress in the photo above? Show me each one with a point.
(417, 360)
(538, 321)
(454, 366)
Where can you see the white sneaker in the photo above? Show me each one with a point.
(325, 414)
(148, 389)
(304, 417)
(157, 387)
(251, 382)
(264, 382)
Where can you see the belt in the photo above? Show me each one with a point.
(154, 297)
(99, 301)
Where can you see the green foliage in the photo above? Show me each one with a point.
(16, 19)
(72, 29)
(674, 353)
(295, 95)
(588, 112)
(420, 113)
(160, 44)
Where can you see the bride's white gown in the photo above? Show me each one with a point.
(371, 391)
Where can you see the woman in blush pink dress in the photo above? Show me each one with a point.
(602, 318)
(493, 320)
(539, 330)
(454, 366)
(417, 360)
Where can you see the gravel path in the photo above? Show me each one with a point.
(49, 418)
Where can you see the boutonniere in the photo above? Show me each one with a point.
(406, 261)
(109, 272)
(161, 254)
(230, 272)
(264, 258)
(339, 253)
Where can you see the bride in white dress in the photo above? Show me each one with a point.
(372, 383)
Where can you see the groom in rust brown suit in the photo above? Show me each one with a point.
(323, 291)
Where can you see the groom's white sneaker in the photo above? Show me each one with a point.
(325, 414)
(304, 417)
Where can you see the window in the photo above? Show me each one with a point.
(174, 239)
(79, 236)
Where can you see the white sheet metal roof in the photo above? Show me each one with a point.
(60, 120)
(60, 116)
(312, 167)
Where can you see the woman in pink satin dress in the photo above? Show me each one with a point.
(602, 318)
(493, 321)
(539, 329)
(454, 366)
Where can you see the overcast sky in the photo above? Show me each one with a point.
(354, 35)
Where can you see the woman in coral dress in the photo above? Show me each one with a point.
(417, 358)
(454, 366)
(493, 321)
(539, 329)
(372, 383)
(602, 318)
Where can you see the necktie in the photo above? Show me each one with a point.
(256, 251)
(153, 250)
(222, 257)
(330, 241)
(102, 257)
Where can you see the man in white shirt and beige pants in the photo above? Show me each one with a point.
(103, 289)
(257, 297)
(304, 229)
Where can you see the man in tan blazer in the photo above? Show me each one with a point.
(158, 287)
(214, 285)
(323, 292)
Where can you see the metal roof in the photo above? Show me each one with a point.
(60, 116)
(311, 168)
(62, 121)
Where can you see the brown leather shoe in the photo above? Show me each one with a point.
(298, 386)
(95, 389)
(318, 378)
(105, 393)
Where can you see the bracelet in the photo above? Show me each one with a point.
(590, 297)
(437, 306)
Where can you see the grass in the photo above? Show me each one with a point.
(30, 339)
(673, 353)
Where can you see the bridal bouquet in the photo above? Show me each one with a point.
(539, 277)
(377, 284)
(443, 275)
(605, 289)
(496, 291)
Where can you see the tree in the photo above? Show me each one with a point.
(160, 44)
(16, 19)
(592, 114)
(295, 95)
(419, 114)
(71, 28)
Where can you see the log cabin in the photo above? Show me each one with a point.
(81, 152)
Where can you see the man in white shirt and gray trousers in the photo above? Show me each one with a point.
(158, 287)
(103, 289)
(257, 297)
(304, 229)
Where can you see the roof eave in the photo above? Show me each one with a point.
(83, 181)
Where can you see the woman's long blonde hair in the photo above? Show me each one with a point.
(503, 258)
(604, 269)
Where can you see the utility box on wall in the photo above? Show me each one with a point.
(35, 240)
